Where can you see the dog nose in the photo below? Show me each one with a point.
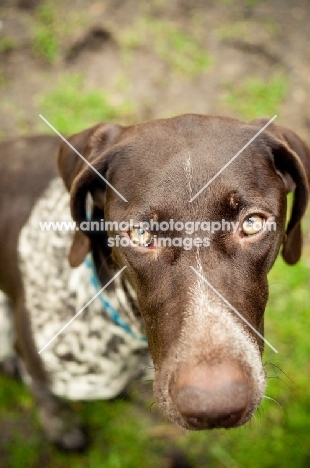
(212, 396)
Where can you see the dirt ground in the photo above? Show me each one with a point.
(93, 49)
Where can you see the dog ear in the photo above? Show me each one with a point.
(89, 143)
(68, 161)
(292, 162)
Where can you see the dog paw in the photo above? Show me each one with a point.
(9, 366)
(62, 426)
(75, 440)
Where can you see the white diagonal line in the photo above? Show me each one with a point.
(80, 311)
(233, 308)
(232, 159)
(82, 157)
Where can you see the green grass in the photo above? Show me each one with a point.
(119, 435)
(45, 44)
(46, 32)
(124, 435)
(70, 107)
(254, 29)
(275, 437)
(256, 98)
(7, 43)
(182, 52)
(51, 30)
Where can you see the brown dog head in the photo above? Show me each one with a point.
(207, 357)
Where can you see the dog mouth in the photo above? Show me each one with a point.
(213, 421)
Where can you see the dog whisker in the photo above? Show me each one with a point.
(150, 406)
(276, 376)
(143, 392)
(275, 401)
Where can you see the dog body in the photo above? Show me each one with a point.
(207, 359)
(96, 357)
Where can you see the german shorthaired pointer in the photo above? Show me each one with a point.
(161, 310)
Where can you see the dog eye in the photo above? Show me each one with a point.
(141, 237)
(253, 225)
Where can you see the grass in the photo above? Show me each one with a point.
(51, 30)
(118, 434)
(182, 52)
(7, 44)
(125, 436)
(255, 98)
(46, 32)
(254, 29)
(70, 107)
(277, 436)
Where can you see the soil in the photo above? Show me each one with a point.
(93, 49)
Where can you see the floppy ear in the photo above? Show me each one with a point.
(292, 162)
(89, 143)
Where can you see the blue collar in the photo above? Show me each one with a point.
(109, 309)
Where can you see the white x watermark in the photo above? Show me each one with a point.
(82, 157)
(83, 308)
(232, 159)
(233, 308)
(192, 199)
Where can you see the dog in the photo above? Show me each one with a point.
(93, 310)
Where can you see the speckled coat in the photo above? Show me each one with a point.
(93, 357)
